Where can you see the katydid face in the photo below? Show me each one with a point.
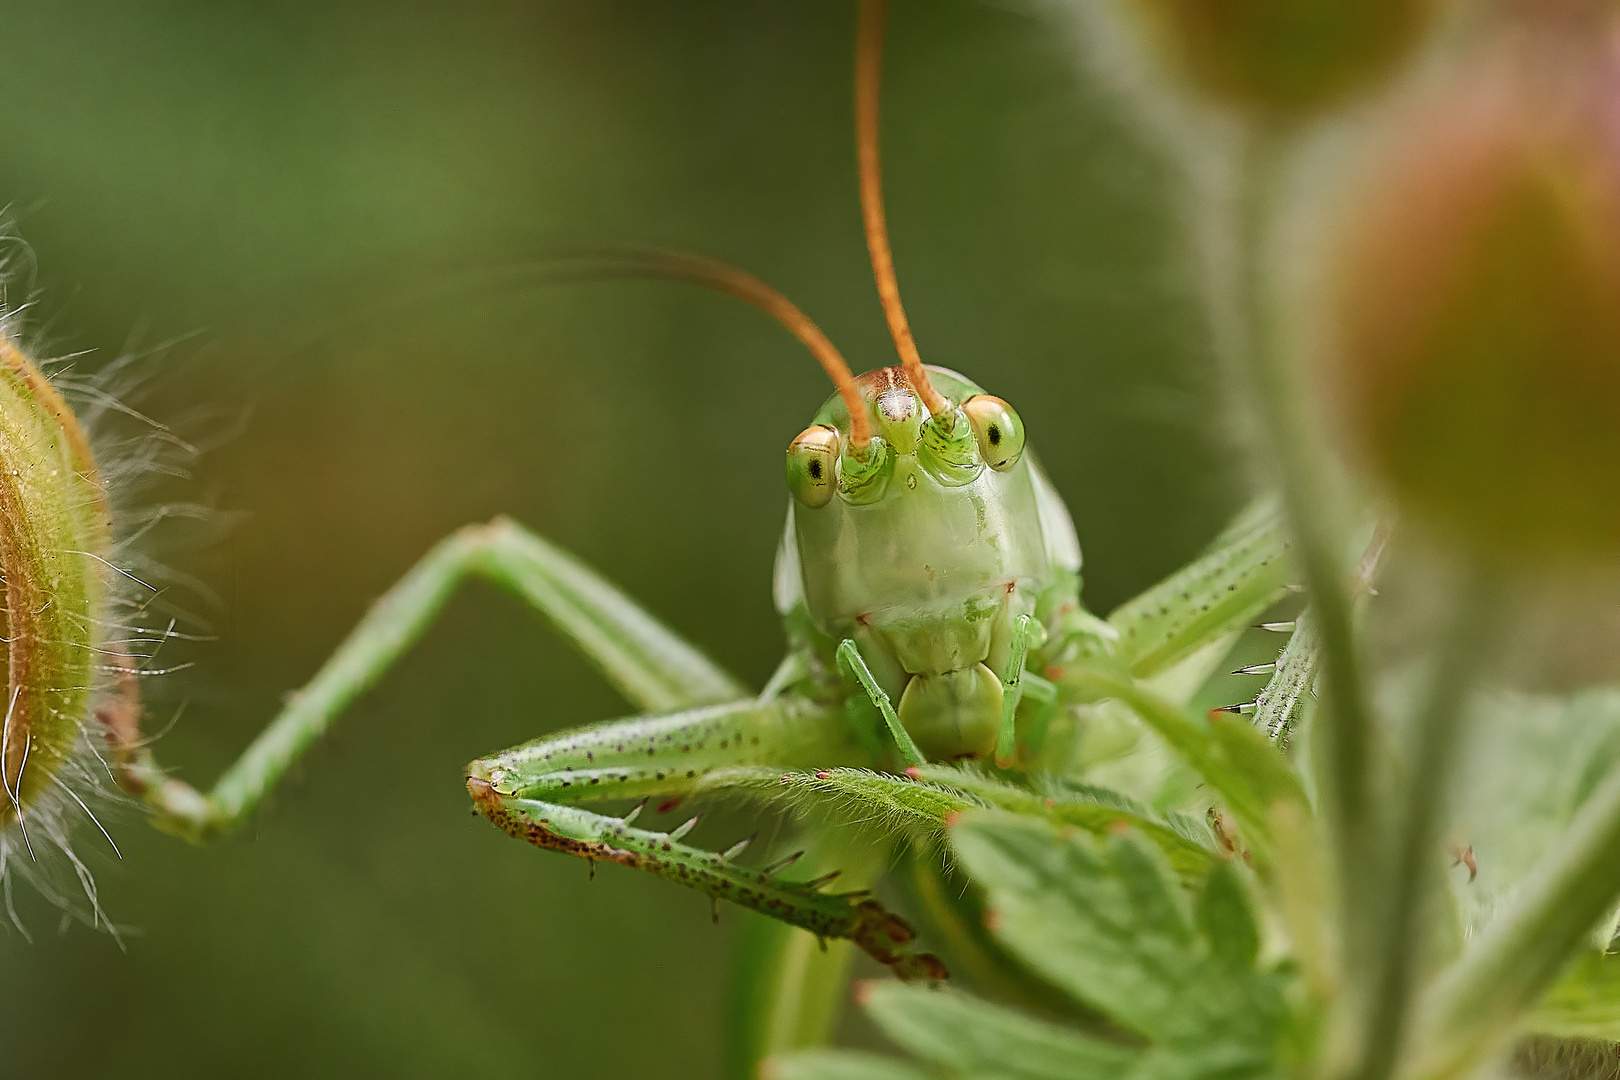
(927, 549)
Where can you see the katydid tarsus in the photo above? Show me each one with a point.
(929, 583)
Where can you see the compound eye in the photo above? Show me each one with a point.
(812, 461)
(997, 428)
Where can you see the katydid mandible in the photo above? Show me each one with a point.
(929, 582)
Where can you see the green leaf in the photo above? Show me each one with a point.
(975, 1037)
(839, 1065)
(1108, 924)
(1534, 761)
(1254, 775)
(1507, 968)
(1227, 921)
(1584, 1003)
(1544, 838)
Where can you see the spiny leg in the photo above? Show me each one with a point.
(530, 792)
(647, 662)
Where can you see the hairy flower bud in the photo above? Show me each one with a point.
(1281, 56)
(1478, 301)
(54, 541)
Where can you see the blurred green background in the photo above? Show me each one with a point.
(303, 188)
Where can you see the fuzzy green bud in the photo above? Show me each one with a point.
(54, 536)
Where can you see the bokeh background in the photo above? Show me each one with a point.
(305, 198)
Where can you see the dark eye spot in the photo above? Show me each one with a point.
(993, 433)
(815, 469)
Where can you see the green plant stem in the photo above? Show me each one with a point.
(1245, 279)
(1436, 737)
(788, 986)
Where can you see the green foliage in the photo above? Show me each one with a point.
(1109, 924)
(1085, 891)
(1536, 760)
(946, 1028)
(1177, 971)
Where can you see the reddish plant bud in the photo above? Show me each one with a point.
(53, 547)
(1282, 56)
(1477, 301)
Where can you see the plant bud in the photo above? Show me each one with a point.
(1477, 301)
(1281, 56)
(53, 538)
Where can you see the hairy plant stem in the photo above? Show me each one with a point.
(1436, 736)
(1249, 325)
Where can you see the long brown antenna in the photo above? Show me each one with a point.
(868, 87)
(722, 277)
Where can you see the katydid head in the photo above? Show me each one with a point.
(975, 431)
(933, 509)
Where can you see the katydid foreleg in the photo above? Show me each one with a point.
(531, 792)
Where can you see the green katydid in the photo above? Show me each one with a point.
(929, 583)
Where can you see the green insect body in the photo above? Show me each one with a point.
(928, 563)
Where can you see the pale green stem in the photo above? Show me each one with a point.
(1437, 735)
(788, 987)
(1289, 434)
